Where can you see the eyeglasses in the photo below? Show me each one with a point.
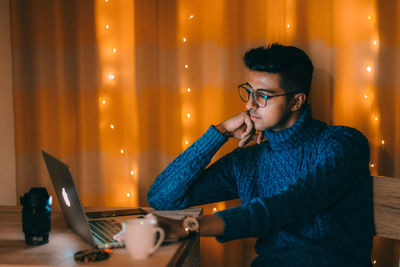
(260, 99)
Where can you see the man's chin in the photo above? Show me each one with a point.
(261, 128)
(266, 128)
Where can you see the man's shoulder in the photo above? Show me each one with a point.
(343, 135)
(339, 130)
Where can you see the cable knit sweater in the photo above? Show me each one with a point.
(306, 193)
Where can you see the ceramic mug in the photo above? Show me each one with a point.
(140, 237)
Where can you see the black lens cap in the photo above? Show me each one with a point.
(91, 255)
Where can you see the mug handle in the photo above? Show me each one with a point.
(159, 241)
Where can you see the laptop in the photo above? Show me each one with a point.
(92, 227)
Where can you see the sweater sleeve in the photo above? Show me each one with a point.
(187, 182)
(341, 165)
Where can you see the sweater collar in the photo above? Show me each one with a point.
(303, 129)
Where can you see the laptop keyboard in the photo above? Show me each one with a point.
(104, 230)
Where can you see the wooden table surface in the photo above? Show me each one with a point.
(63, 243)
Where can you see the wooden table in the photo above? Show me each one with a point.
(63, 243)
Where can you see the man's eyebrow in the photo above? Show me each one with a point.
(271, 91)
(265, 90)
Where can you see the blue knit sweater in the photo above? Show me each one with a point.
(306, 193)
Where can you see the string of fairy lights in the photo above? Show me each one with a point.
(369, 69)
(376, 118)
(105, 100)
(187, 92)
(187, 114)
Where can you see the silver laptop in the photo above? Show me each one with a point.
(90, 226)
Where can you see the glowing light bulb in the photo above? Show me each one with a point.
(366, 96)
(107, 1)
(191, 16)
(188, 90)
(111, 76)
(369, 17)
(368, 68)
(214, 209)
(186, 142)
(288, 25)
(107, 26)
(188, 115)
(115, 50)
(383, 142)
(372, 165)
(112, 126)
(132, 172)
(374, 262)
(184, 39)
(103, 102)
(122, 151)
(375, 42)
(186, 66)
(376, 118)
(128, 195)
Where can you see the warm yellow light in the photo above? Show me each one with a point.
(375, 42)
(186, 142)
(132, 172)
(288, 25)
(383, 142)
(107, 26)
(188, 115)
(112, 126)
(128, 195)
(103, 102)
(214, 209)
(111, 76)
(368, 68)
(369, 17)
(184, 39)
(186, 66)
(376, 118)
(122, 151)
(115, 50)
(372, 165)
(374, 261)
(107, 1)
(191, 16)
(188, 90)
(366, 96)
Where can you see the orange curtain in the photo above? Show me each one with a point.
(117, 89)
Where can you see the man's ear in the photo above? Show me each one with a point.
(299, 100)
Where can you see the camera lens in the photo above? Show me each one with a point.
(36, 216)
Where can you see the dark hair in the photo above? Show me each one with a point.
(291, 63)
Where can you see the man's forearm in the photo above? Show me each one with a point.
(211, 225)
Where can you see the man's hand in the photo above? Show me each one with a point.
(240, 127)
(173, 228)
(210, 225)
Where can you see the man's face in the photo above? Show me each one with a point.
(277, 114)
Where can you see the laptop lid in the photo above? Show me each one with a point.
(68, 197)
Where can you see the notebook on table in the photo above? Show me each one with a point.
(96, 228)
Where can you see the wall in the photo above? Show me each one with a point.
(7, 147)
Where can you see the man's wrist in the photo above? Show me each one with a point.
(222, 130)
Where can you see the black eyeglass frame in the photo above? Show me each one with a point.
(249, 92)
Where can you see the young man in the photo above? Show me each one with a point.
(306, 190)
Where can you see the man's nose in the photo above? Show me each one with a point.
(251, 104)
